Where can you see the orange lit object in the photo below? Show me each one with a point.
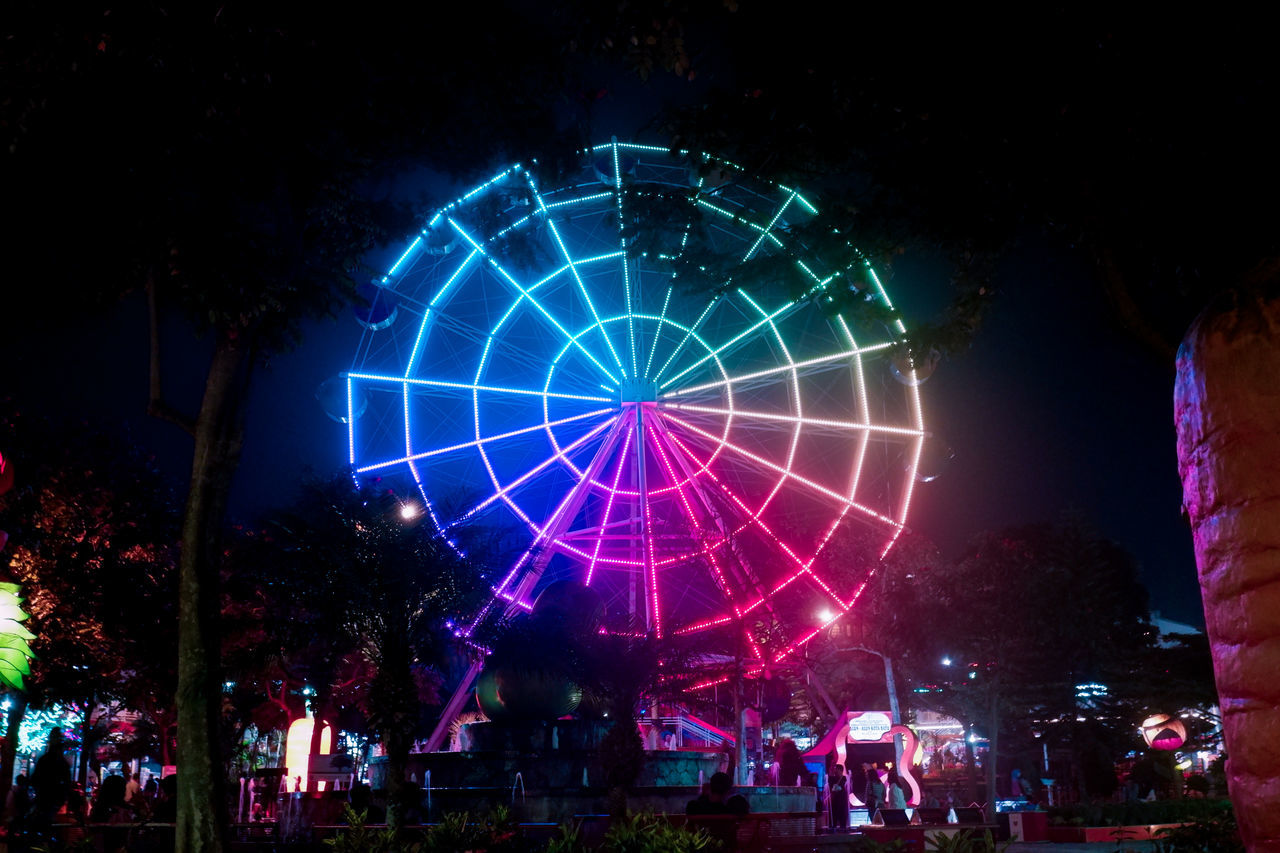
(297, 750)
(1162, 731)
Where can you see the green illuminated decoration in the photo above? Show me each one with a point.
(15, 654)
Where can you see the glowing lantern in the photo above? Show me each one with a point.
(15, 654)
(1162, 731)
(6, 475)
(297, 749)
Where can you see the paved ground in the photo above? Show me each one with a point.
(1094, 847)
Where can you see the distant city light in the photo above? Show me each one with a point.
(946, 661)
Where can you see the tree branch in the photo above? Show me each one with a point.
(157, 407)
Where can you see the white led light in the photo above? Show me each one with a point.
(622, 428)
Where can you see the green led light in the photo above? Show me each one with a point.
(15, 654)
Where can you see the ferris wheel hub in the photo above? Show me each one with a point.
(638, 391)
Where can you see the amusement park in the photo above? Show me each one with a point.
(536, 467)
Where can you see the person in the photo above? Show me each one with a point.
(361, 797)
(166, 808)
(18, 808)
(788, 767)
(715, 799)
(839, 787)
(77, 803)
(895, 795)
(875, 792)
(51, 781)
(132, 785)
(109, 807)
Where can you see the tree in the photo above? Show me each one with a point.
(376, 584)
(1022, 619)
(954, 137)
(888, 621)
(225, 158)
(93, 540)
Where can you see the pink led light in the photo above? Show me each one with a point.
(608, 507)
(702, 626)
(715, 474)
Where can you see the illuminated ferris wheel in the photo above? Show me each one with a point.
(537, 363)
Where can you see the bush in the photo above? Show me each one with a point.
(1138, 813)
(1215, 834)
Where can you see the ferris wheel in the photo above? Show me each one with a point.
(536, 363)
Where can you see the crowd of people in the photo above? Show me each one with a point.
(875, 787)
(51, 796)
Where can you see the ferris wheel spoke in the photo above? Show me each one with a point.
(622, 244)
(503, 492)
(821, 424)
(560, 519)
(470, 387)
(623, 458)
(690, 334)
(525, 294)
(768, 229)
(810, 485)
(657, 330)
(752, 516)
(573, 268)
(665, 458)
(734, 342)
(832, 361)
(481, 442)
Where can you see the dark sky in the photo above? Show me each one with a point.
(1051, 410)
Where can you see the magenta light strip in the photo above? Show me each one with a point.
(608, 505)
(805, 481)
(660, 446)
(729, 493)
(532, 472)
(651, 570)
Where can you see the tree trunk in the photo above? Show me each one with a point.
(201, 800)
(992, 764)
(9, 746)
(87, 744)
(318, 707)
(1227, 412)
(971, 764)
(397, 787)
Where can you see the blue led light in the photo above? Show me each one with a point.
(582, 288)
(525, 293)
(517, 392)
(417, 241)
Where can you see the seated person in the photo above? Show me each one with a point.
(361, 798)
(715, 799)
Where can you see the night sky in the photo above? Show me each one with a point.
(1052, 409)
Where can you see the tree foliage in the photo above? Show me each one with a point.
(357, 596)
(93, 535)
